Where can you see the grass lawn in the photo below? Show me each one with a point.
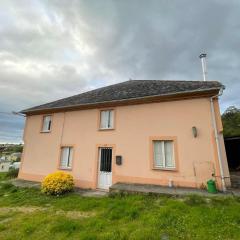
(28, 214)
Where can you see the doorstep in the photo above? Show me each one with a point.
(162, 190)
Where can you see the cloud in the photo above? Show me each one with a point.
(58, 48)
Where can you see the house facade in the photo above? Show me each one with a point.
(141, 131)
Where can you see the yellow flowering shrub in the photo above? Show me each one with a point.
(57, 183)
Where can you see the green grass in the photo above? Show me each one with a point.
(28, 214)
(3, 176)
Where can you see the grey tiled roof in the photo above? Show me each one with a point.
(132, 89)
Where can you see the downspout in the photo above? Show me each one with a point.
(216, 135)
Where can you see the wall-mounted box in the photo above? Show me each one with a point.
(119, 160)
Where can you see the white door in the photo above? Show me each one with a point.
(105, 168)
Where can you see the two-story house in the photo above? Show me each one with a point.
(138, 131)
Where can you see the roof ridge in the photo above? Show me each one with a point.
(167, 80)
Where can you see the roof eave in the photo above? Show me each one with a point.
(132, 101)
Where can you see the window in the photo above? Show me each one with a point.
(106, 119)
(163, 154)
(66, 157)
(47, 121)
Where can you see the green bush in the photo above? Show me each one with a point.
(12, 173)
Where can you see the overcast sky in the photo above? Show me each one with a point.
(54, 49)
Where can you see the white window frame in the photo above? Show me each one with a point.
(110, 122)
(69, 161)
(44, 123)
(164, 166)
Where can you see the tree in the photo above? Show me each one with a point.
(231, 122)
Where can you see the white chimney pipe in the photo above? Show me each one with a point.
(204, 65)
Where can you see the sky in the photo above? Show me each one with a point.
(54, 49)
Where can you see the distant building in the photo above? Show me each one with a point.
(15, 157)
(4, 166)
(3, 158)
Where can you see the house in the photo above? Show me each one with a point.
(4, 165)
(139, 131)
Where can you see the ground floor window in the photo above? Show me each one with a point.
(66, 157)
(163, 154)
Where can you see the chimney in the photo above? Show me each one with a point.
(203, 57)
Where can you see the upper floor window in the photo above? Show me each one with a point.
(163, 154)
(106, 119)
(47, 122)
(66, 157)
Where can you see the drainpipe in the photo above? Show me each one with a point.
(216, 135)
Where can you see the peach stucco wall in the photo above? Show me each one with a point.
(135, 125)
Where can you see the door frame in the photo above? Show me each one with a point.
(100, 184)
(97, 162)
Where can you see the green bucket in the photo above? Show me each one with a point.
(211, 186)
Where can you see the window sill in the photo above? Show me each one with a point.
(165, 169)
(65, 169)
(106, 129)
(45, 131)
